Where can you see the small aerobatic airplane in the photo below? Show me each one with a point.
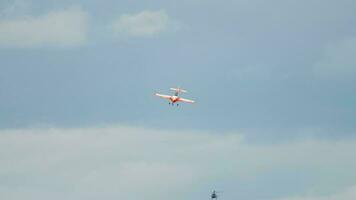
(175, 98)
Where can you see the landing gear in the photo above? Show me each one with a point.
(172, 104)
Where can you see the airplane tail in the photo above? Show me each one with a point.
(178, 90)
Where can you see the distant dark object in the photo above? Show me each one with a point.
(214, 195)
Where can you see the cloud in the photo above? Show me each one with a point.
(56, 28)
(348, 194)
(338, 61)
(136, 163)
(143, 24)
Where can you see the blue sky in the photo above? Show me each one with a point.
(271, 73)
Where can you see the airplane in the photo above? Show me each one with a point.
(175, 98)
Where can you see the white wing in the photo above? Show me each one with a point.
(186, 100)
(163, 96)
(178, 90)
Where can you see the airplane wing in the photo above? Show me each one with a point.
(163, 96)
(186, 100)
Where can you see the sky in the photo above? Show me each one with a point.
(274, 84)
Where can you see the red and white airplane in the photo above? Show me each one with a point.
(175, 98)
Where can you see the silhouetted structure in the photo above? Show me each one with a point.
(214, 195)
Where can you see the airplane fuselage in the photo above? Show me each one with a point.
(174, 99)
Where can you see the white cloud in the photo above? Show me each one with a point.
(338, 61)
(134, 163)
(57, 28)
(143, 24)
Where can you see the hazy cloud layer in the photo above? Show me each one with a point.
(347, 194)
(57, 28)
(142, 24)
(136, 163)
